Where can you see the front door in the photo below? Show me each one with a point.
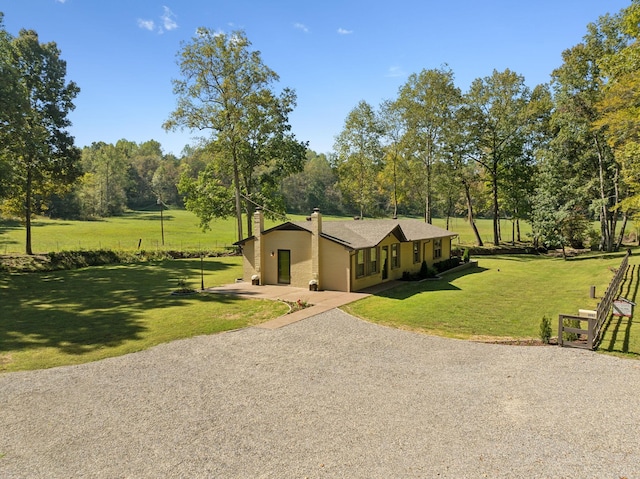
(385, 262)
(284, 266)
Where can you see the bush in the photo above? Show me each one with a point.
(571, 323)
(466, 255)
(447, 264)
(545, 329)
(424, 270)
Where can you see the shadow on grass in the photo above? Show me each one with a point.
(616, 335)
(79, 311)
(409, 289)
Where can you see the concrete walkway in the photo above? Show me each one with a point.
(321, 301)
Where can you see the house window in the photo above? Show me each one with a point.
(360, 263)
(416, 251)
(437, 248)
(373, 260)
(395, 255)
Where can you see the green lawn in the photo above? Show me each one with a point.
(503, 297)
(181, 232)
(72, 317)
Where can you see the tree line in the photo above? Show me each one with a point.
(559, 155)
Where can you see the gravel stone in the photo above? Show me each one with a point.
(329, 396)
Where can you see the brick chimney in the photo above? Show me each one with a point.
(258, 228)
(316, 231)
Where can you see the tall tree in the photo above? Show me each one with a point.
(314, 187)
(427, 102)
(359, 156)
(498, 122)
(227, 90)
(394, 128)
(459, 164)
(39, 149)
(12, 103)
(619, 107)
(578, 87)
(103, 192)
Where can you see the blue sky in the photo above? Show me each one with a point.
(333, 53)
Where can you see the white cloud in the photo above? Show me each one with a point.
(342, 31)
(168, 19)
(166, 24)
(395, 72)
(146, 24)
(301, 26)
(61, 1)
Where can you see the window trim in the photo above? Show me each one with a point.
(437, 248)
(416, 252)
(373, 265)
(395, 260)
(361, 267)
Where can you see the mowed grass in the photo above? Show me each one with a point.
(504, 297)
(72, 317)
(181, 232)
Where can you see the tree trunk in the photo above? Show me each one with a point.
(236, 182)
(624, 227)
(395, 188)
(470, 213)
(518, 230)
(427, 206)
(513, 232)
(496, 208)
(606, 241)
(27, 208)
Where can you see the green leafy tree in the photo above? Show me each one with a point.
(520, 175)
(104, 192)
(458, 162)
(314, 187)
(12, 104)
(227, 90)
(498, 122)
(579, 85)
(359, 156)
(427, 103)
(37, 148)
(394, 129)
(619, 108)
(143, 161)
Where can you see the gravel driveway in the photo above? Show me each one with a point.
(330, 396)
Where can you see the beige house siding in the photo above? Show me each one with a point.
(373, 279)
(299, 244)
(330, 256)
(334, 266)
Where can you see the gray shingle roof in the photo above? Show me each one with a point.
(369, 233)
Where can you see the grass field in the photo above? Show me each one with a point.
(181, 232)
(504, 297)
(72, 317)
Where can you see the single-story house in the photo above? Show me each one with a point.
(340, 255)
